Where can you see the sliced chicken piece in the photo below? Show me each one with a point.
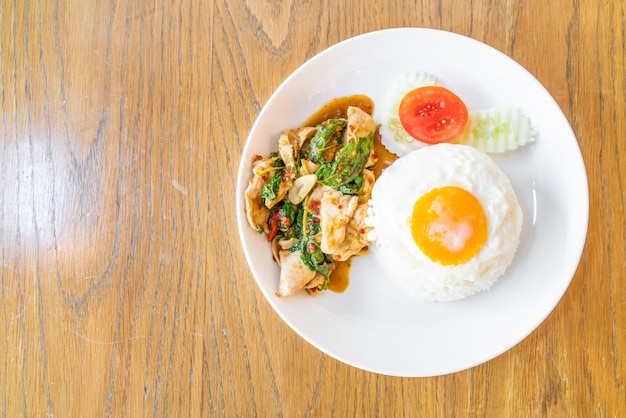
(286, 244)
(315, 199)
(304, 134)
(357, 233)
(317, 281)
(294, 274)
(360, 124)
(279, 244)
(263, 167)
(256, 213)
(291, 141)
(288, 148)
(336, 210)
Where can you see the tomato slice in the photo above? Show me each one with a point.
(433, 114)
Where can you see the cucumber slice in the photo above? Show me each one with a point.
(497, 130)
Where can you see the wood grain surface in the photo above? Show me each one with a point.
(124, 290)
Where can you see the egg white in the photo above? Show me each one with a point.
(415, 174)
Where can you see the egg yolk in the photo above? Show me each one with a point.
(449, 225)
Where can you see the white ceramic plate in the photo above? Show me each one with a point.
(375, 326)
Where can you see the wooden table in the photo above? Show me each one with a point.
(124, 290)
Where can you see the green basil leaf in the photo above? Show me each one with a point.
(270, 189)
(326, 141)
(348, 163)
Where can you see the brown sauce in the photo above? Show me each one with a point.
(338, 108)
(385, 157)
(340, 277)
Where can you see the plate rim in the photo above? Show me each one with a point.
(243, 166)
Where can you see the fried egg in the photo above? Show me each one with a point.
(447, 222)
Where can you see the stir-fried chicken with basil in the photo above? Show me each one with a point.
(311, 198)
